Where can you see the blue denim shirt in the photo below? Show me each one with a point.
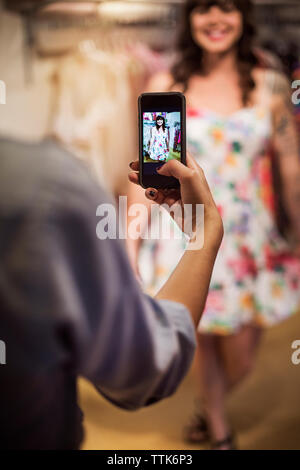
(71, 306)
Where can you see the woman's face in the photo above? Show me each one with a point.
(216, 30)
(160, 122)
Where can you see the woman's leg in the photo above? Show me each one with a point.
(222, 363)
(238, 353)
(213, 386)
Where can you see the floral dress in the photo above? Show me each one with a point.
(255, 279)
(159, 148)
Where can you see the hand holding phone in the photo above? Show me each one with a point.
(193, 189)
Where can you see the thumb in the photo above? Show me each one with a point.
(176, 169)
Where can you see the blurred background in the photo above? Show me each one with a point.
(73, 72)
(94, 51)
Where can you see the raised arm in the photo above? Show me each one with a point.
(189, 282)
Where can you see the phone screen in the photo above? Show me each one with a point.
(162, 117)
(162, 137)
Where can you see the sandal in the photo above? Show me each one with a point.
(197, 431)
(228, 441)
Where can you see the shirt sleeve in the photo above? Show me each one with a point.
(134, 349)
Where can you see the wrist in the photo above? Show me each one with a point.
(205, 242)
(209, 236)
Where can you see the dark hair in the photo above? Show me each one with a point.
(161, 118)
(190, 54)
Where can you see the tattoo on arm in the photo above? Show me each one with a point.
(285, 133)
(285, 136)
(282, 125)
(286, 143)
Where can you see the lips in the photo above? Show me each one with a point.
(216, 35)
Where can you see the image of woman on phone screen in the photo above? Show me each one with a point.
(237, 112)
(159, 142)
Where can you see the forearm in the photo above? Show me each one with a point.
(151, 143)
(291, 195)
(190, 281)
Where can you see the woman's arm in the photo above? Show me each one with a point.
(152, 138)
(286, 145)
(168, 139)
(190, 280)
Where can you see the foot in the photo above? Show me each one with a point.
(197, 430)
(224, 444)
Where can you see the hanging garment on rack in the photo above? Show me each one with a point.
(26, 113)
(95, 115)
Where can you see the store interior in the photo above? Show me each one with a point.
(80, 67)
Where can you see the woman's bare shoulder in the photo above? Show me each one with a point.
(273, 84)
(160, 82)
(274, 80)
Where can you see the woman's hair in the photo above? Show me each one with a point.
(190, 54)
(161, 118)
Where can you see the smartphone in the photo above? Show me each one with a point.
(162, 136)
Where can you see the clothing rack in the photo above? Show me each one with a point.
(42, 15)
(280, 15)
(62, 9)
(156, 12)
(35, 6)
(140, 12)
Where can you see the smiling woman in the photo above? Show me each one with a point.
(236, 111)
(214, 27)
(213, 34)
